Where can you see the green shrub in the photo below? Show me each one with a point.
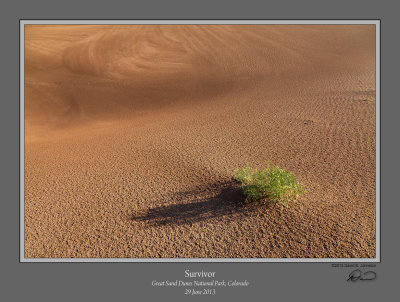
(270, 184)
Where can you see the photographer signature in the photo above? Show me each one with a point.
(359, 275)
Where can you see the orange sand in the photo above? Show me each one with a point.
(132, 134)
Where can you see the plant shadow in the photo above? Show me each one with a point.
(192, 207)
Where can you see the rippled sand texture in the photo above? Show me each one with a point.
(133, 133)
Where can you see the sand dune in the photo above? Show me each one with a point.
(133, 133)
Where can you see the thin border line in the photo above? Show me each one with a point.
(22, 144)
(202, 21)
(19, 141)
(379, 206)
(22, 259)
(264, 20)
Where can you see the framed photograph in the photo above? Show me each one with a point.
(200, 140)
(224, 151)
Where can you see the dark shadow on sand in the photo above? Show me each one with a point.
(192, 208)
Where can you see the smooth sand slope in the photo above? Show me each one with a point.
(133, 134)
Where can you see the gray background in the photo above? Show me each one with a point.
(132, 281)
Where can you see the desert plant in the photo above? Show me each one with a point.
(269, 184)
